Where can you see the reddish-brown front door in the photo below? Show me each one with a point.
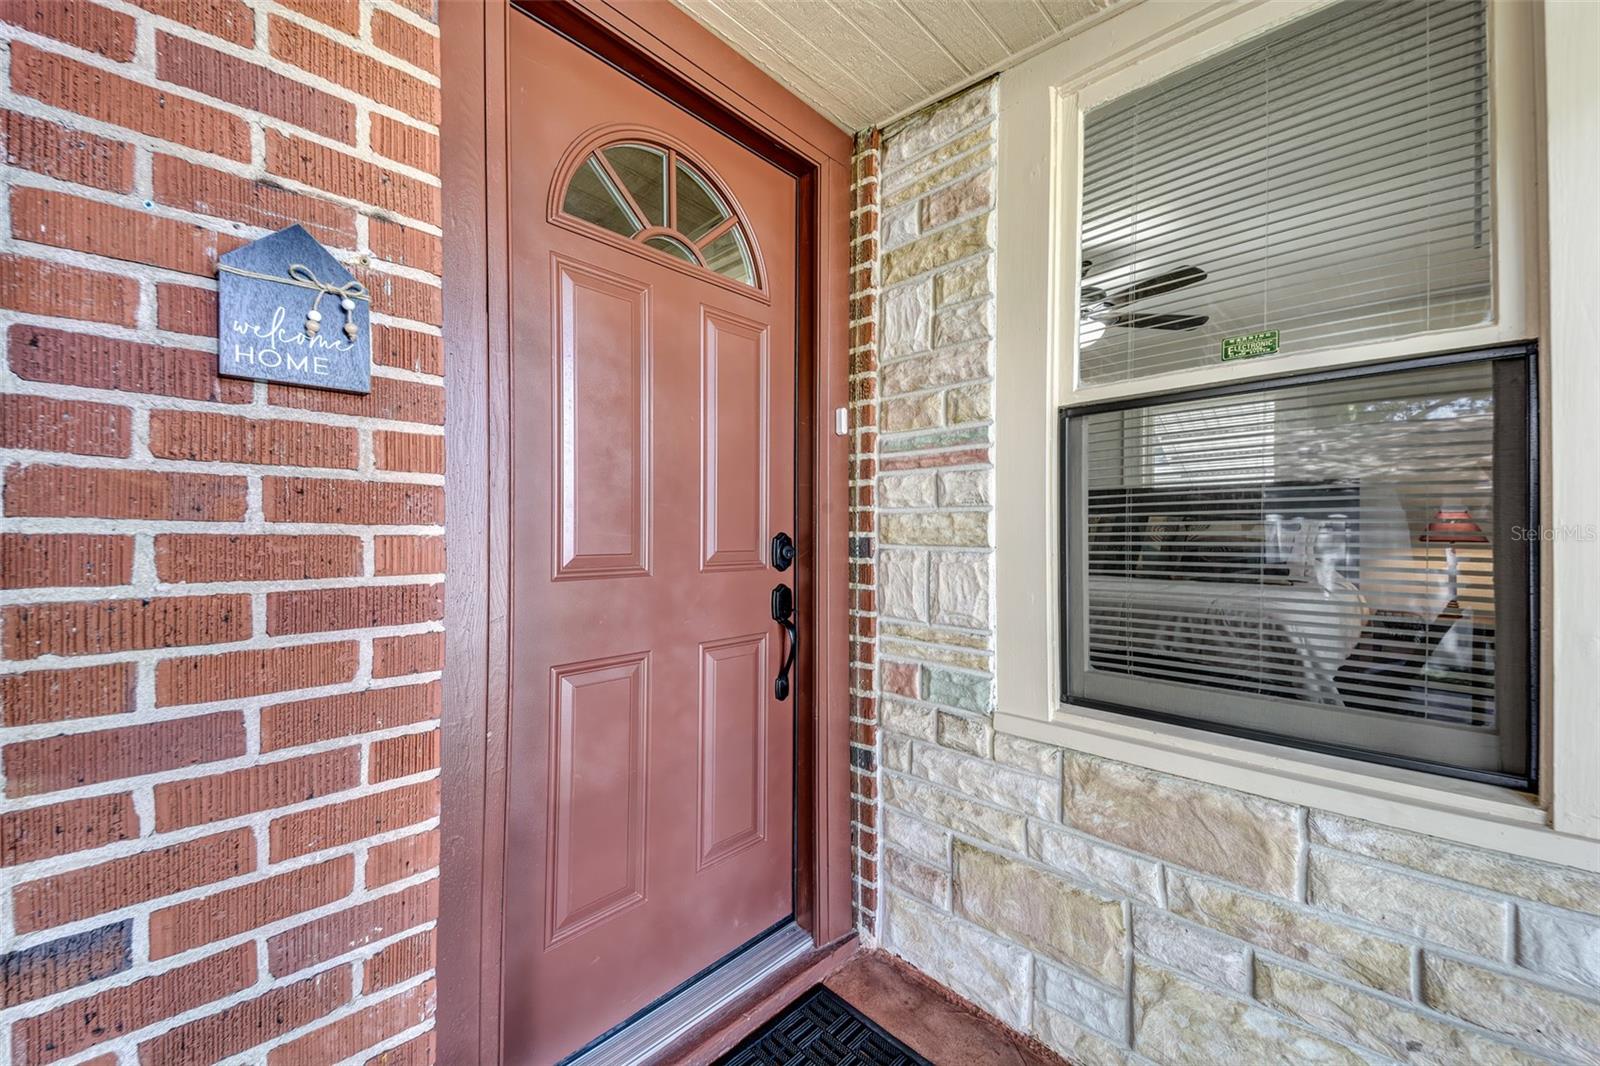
(650, 781)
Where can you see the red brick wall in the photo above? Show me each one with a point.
(220, 601)
(863, 527)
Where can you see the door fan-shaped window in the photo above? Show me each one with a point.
(651, 195)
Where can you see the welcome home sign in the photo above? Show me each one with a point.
(288, 312)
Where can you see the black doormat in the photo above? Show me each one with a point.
(820, 1027)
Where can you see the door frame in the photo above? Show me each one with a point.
(662, 47)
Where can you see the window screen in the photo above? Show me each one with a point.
(1327, 181)
(1341, 561)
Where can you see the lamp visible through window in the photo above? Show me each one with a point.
(1457, 646)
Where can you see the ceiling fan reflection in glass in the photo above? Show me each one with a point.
(1100, 307)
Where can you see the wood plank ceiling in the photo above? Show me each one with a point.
(864, 62)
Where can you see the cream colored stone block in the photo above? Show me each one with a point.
(985, 969)
(963, 323)
(912, 490)
(1028, 755)
(906, 190)
(959, 585)
(1537, 1014)
(1294, 932)
(896, 752)
(965, 282)
(956, 529)
(1086, 859)
(1177, 1022)
(896, 715)
(1037, 909)
(1559, 886)
(1092, 1004)
(966, 488)
(935, 653)
(906, 317)
(1247, 839)
(1005, 829)
(970, 362)
(971, 194)
(899, 225)
(964, 733)
(1410, 905)
(969, 403)
(901, 414)
(934, 250)
(934, 167)
(929, 128)
(1078, 1045)
(1559, 945)
(903, 584)
(908, 874)
(927, 635)
(1383, 1025)
(985, 780)
(1191, 950)
(927, 842)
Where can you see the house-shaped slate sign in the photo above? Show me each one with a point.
(290, 313)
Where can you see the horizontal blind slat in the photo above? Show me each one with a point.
(1331, 178)
(1276, 544)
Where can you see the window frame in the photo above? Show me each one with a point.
(1527, 355)
(594, 143)
(1534, 64)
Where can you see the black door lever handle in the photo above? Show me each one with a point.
(783, 614)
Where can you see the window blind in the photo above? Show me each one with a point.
(1339, 561)
(1328, 180)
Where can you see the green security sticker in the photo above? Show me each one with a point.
(1250, 345)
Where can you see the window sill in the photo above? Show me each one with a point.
(1462, 811)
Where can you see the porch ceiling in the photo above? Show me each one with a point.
(864, 62)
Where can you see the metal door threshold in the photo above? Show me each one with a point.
(659, 1027)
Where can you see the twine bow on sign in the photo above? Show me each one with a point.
(348, 295)
(305, 278)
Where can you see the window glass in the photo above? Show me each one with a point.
(700, 210)
(1341, 562)
(644, 171)
(729, 256)
(593, 198)
(1323, 185)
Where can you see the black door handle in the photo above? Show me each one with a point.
(783, 614)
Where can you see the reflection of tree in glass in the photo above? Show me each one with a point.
(1414, 409)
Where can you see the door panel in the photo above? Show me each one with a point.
(650, 777)
(602, 418)
(734, 418)
(733, 746)
(597, 823)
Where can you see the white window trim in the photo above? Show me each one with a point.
(1541, 74)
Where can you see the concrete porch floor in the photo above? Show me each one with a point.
(930, 1019)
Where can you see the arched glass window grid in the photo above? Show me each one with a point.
(623, 187)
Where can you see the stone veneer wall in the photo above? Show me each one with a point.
(1118, 914)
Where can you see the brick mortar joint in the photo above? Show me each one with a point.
(141, 71)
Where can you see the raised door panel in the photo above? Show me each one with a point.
(734, 450)
(733, 746)
(602, 422)
(598, 790)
